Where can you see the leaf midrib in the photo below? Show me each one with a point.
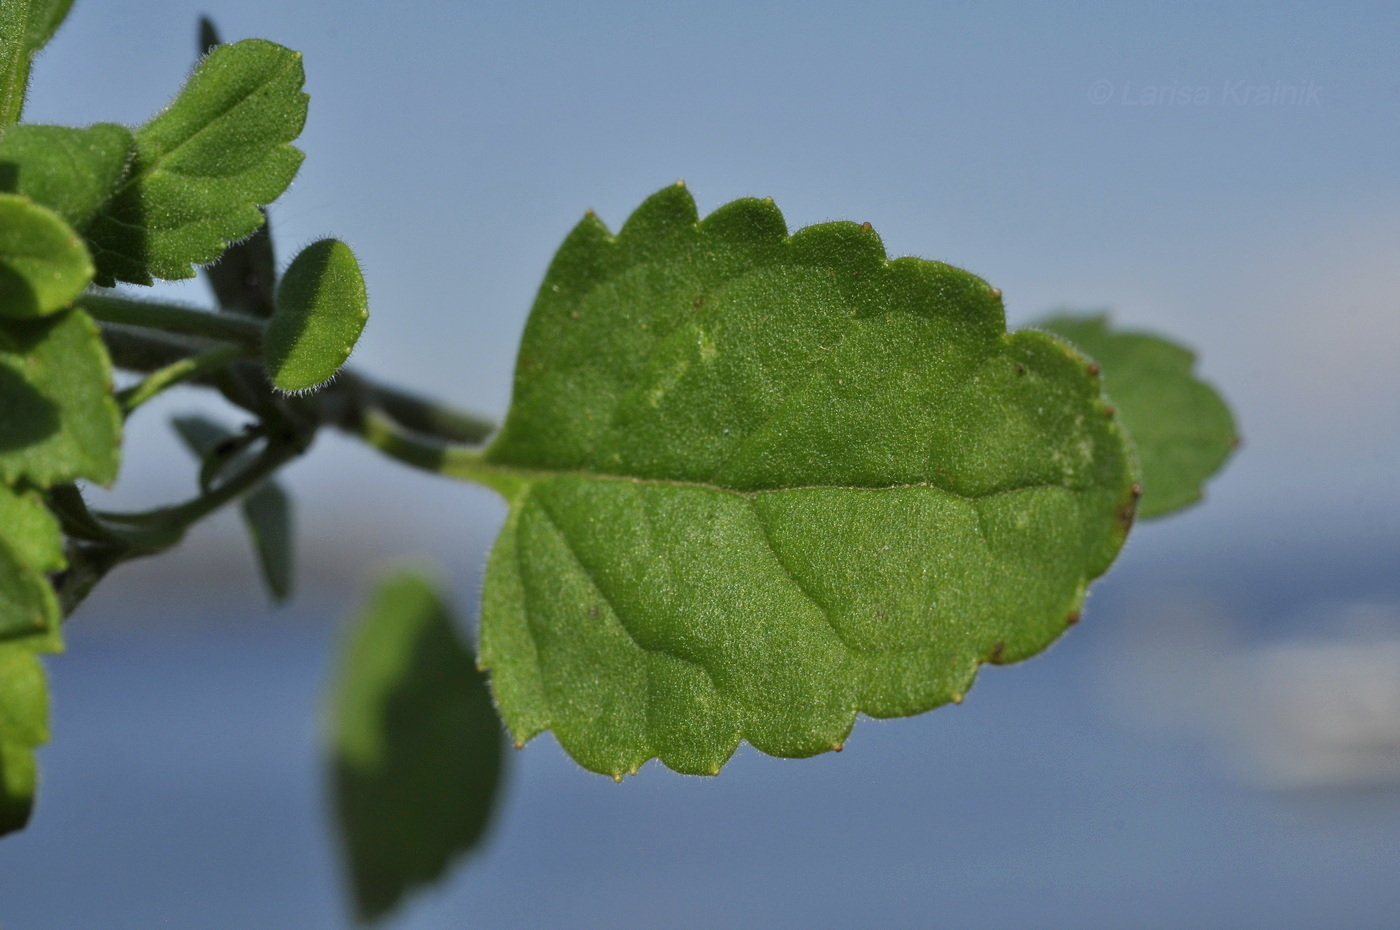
(473, 467)
(156, 165)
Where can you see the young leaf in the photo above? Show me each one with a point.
(759, 484)
(59, 420)
(204, 165)
(321, 310)
(268, 515)
(25, 27)
(24, 715)
(416, 746)
(1181, 427)
(245, 277)
(43, 264)
(266, 511)
(73, 172)
(30, 547)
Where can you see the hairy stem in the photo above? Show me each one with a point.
(273, 457)
(450, 460)
(172, 318)
(178, 372)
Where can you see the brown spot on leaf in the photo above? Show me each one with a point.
(1109, 410)
(1073, 618)
(866, 227)
(997, 652)
(1094, 369)
(996, 293)
(1127, 511)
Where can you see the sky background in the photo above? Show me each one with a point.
(1104, 156)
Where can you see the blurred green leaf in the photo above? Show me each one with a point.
(25, 27)
(761, 483)
(204, 166)
(416, 746)
(30, 547)
(266, 510)
(43, 263)
(59, 420)
(1181, 427)
(268, 514)
(24, 716)
(321, 310)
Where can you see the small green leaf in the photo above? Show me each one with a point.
(761, 483)
(30, 546)
(204, 166)
(24, 726)
(73, 172)
(208, 36)
(416, 746)
(25, 27)
(59, 420)
(268, 514)
(267, 511)
(1181, 427)
(43, 264)
(201, 435)
(245, 278)
(321, 310)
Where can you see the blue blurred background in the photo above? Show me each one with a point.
(1216, 745)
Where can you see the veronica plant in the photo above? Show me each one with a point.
(759, 481)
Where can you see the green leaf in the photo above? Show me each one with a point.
(268, 514)
(25, 27)
(759, 484)
(321, 310)
(416, 747)
(267, 510)
(43, 264)
(73, 172)
(203, 167)
(24, 715)
(30, 546)
(1181, 427)
(245, 278)
(59, 420)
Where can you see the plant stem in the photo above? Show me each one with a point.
(176, 373)
(273, 457)
(171, 318)
(450, 460)
(418, 414)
